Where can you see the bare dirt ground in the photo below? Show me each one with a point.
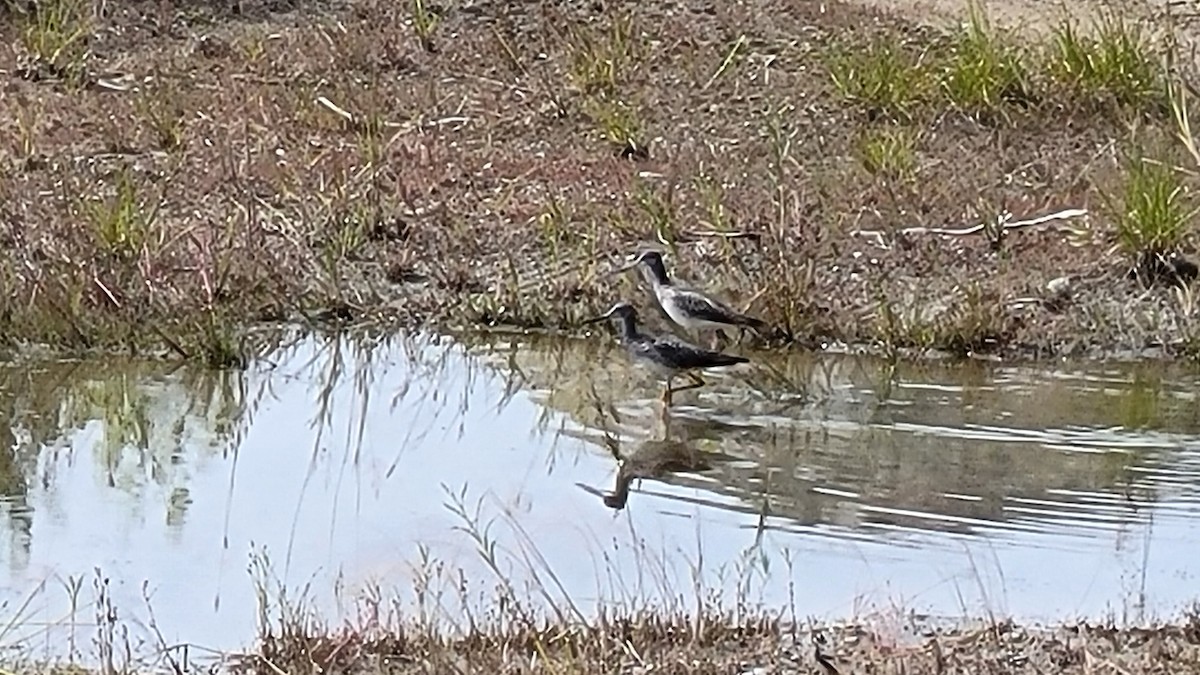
(1037, 19)
(177, 171)
(1027, 15)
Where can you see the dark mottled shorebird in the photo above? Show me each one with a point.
(667, 355)
(688, 307)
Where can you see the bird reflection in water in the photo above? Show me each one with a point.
(654, 458)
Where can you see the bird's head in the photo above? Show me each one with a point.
(648, 257)
(651, 262)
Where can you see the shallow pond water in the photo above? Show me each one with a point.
(830, 485)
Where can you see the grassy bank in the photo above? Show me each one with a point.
(758, 644)
(176, 173)
(448, 623)
(664, 644)
(508, 635)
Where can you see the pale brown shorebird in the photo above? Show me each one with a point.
(688, 307)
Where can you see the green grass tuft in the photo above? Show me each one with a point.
(164, 116)
(123, 222)
(619, 124)
(1154, 216)
(1117, 61)
(889, 152)
(600, 61)
(54, 34)
(424, 23)
(983, 70)
(883, 77)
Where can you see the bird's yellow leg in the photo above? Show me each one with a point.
(697, 382)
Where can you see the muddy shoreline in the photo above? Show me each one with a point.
(182, 174)
(766, 646)
(758, 644)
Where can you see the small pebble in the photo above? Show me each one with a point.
(1059, 286)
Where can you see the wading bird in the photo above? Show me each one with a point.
(667, 355)
(688, 307)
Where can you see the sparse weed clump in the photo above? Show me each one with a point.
(217, 344)
(900, 325)
(972, 321)
(984, 70)
(54, 36)
(1117, 61)
(618, 122)
(601, 60)
(163, 115)
(122, 222)
(424, 24)
(1153, 217)
(975, 323)
(883, 77)
(658, 207)
(553, 223)
(988, 71)
(889, 152)
(25, 143)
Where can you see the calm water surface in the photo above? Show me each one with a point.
(828, 484)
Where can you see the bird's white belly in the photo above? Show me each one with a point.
(690, 322)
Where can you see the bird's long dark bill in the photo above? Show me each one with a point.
(596, 319)
(621, 270)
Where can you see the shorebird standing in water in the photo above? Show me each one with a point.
(667, 354)
(688, 307)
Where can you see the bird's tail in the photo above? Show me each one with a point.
(730, 359)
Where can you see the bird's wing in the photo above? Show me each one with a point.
(685, 355)
(707, 308)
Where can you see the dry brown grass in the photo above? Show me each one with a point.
(454, 624)
(705, 629)
(759, 644)
(719, 643)
(175, 171)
